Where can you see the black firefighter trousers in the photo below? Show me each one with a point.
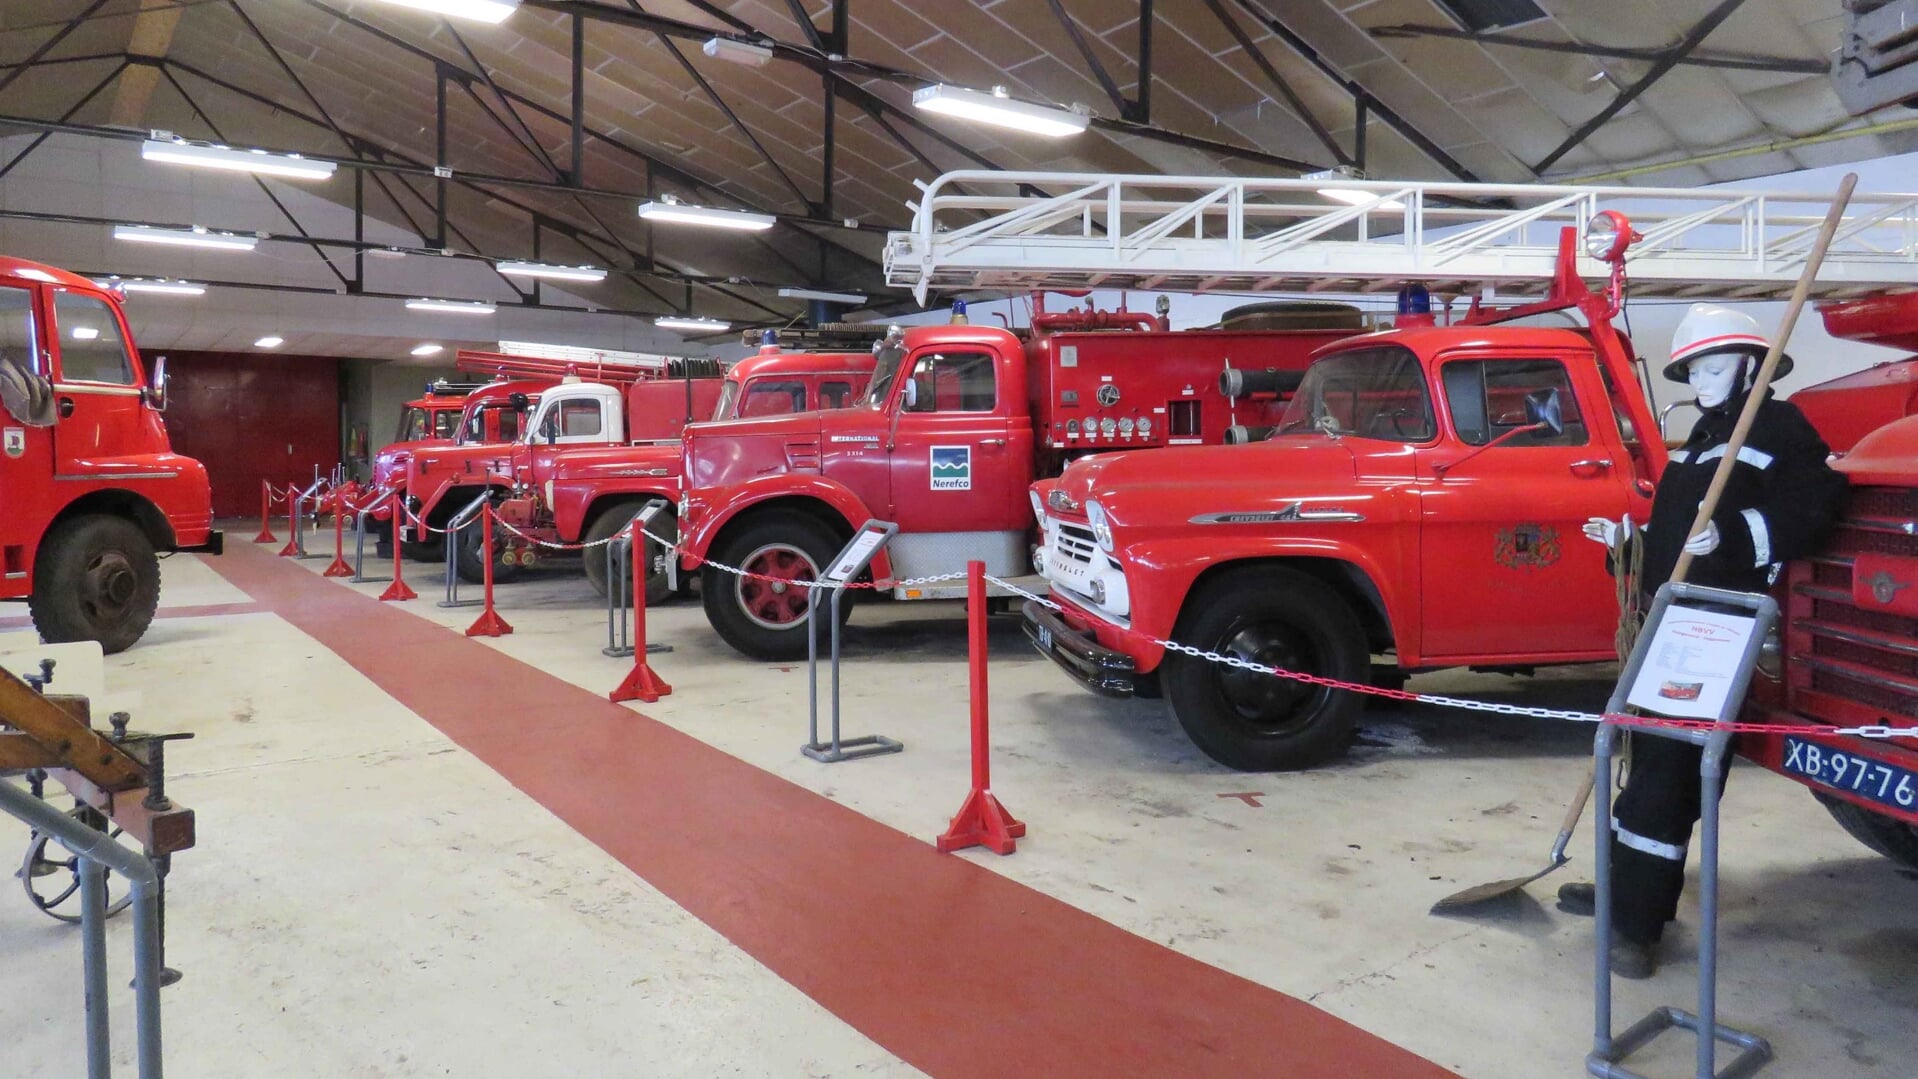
(1651, 827)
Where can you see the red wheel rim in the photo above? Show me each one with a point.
(775, 597)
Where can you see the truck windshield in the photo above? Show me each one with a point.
(1366, 393)
(889, 356)
(412, 424)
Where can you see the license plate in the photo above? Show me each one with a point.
(1874, 780)
(1045, 638)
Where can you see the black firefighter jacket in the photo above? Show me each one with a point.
(1780, 498)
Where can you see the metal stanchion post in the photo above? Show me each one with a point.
(642, 683)
(398, 591)
(489, 623)
(338, 567)
(981, 820)
(266, 515)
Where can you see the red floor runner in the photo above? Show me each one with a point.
(959, 971)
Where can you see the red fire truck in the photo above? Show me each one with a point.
(1849, 616)
(435, 417)
(957, 422)
(490, 415)
(90, 487)
(1380, 517)
(593, 454)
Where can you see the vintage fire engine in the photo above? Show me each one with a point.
(490, 415)
(1849, 615)
(90, 489)
(957, 422)
(594, 452)
(434, 417)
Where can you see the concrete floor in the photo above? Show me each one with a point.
(372, 899)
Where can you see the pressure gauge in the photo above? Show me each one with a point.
(1108, 427)
(1072, 428)
(1125, 427)
(1145, 427)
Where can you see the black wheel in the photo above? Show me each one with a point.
(51, 873)
(471, 566)
(765, 616)
(609, 523)
(1258, 722)
(96, 579)
(430, 550)
(1888, 836)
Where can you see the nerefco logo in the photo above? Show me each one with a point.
(952, 468)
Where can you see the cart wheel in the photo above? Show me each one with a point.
(51, 874)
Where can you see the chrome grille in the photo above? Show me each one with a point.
(1076, 543)
(1867, 657)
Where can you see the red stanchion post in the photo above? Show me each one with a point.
(338, 567)
(489, 623)
(266, 515)
(292, 548)
(981, 821)
(641, 683)
(398, 590)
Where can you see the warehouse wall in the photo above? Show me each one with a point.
(250, 417)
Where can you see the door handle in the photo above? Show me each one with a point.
(993, 442)
(1592, 462)
(66, 407)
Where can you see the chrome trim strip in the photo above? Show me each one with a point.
(1292, 513)
(100, 476)
(1866, 675)
(1826, 629)
(98, 391)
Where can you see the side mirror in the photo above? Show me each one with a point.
(912, 394)
(1543, 408)
(157, 385)
(519, 401)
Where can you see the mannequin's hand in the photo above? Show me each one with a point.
(1600, 530)
(1705, 542)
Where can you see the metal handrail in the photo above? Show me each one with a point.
(359, 532)
(458, 521)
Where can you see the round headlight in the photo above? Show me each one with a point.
(1101, 527)
(1607, 235)
(1038, 507)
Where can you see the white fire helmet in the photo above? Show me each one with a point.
(1708, 328)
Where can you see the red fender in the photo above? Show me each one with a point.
(706, 511)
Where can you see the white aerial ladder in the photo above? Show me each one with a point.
(1015, 231)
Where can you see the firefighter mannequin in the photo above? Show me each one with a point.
(1777, 502)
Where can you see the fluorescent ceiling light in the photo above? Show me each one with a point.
(210, 156)
(193, 237)
(85, 333)
(1351, 196)
(385, 253)
(493, 11)
(696, 325)
(559, 273)
(157, 285)
(672, 210)
(458, 307)
(269, 341)
(815, 294)
(1000, 110)
(739, 52)
(427, 350)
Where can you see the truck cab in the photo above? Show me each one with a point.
(491, 413)
(1421, 499)
(91, 487)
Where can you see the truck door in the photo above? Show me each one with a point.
(27, 459)
(1505, 570)
(950, 460)
(566, 421)
(97, 389)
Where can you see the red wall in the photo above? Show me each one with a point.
(250, 417)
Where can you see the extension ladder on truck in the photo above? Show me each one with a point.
(1036, 230)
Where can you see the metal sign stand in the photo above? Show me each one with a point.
(459, 521)
(619, 642)
(849, 563)
(1608, 1052)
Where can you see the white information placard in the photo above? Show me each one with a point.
(1691, 663)
(857, 552)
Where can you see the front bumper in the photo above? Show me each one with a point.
(1079, 654)
(215, 543)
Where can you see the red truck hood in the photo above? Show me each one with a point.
(733, 451)
(1303, 464)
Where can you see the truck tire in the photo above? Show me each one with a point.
(96, 579)
(471, 567)
(767, 620)
(1888, 836)
(1256, 722)
(608, 523)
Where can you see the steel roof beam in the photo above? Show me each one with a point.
(1732, 61)
(1278, 81)
(51, 43)
(1699, 31)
